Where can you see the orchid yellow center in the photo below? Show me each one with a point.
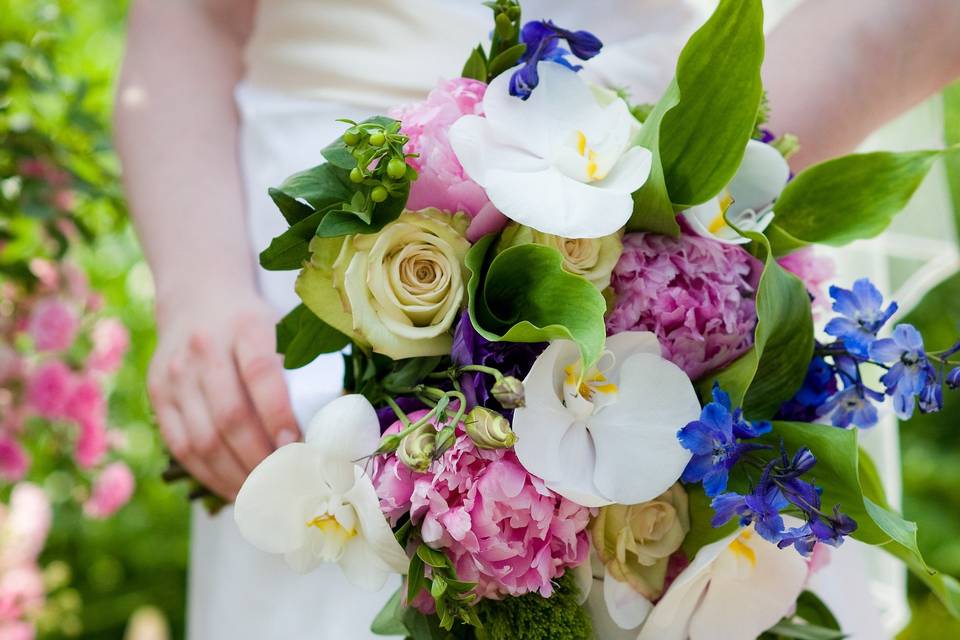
(742, 550)
(589, 385)
(589, 154)
(719, 223)
(330, 526)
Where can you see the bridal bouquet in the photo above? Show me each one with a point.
(584, 392)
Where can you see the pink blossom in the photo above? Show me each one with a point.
(111, 490)
(14, 461)
(442, 182)
(110, 343)
(88, 409)
(49, 388)
(53, 325)
(820, 558)
(22, 592)
(17, 630)
(46, 272)
(24, 525)
(500, 525)
(814, 270)
(694, 293)
(11, 364)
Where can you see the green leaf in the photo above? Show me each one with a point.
(320, 186)
(338, 154)
(700, 127)
(432, 557)
(302, 336)
(476, 66)
(409, 372)
(850, 198)
(415, 577)
(523, 294)
(801, 631)
(389, 622)
(345, 223)
(291, 248)
(815, 611)
(951, 136)
(292, 209)
(774, 368)
(505, 60)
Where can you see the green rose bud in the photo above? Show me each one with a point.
(416, 449)
(508, 391)
(635, 542)
(592, 258)
(489, 430)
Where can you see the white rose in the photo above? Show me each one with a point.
(400, 290)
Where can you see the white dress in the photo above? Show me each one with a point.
(310, 62)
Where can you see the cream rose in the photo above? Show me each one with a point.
(592, 258)
(635, 542)
(399, 290)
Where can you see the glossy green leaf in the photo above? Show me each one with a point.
(292, 209)
(505, 60)
(700, 127)
(320, 186)
(774, 368)
(815, 611)
(302, 336)
(523, 294)
(476, 66)
(291, 248)
(849, 198)
(389, 622)
(344, 223)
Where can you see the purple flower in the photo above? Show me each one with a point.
(854, 404)
(832, 530)
(761, 507)
(510, 358)
(911, 372)
(542, 38)
(818, 385)
(953, 378)
(861, 316)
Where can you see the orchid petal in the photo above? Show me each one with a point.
(761, 177)
(374, 528)
(346, 428)
(627, 608)
(362, 566)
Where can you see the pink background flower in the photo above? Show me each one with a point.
(111, 490)
(500, 525)
(49, 389)
(815, 270)
(694, 293)
(110, 342)
(53, 325)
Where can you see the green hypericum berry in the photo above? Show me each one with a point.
(351, 137)
(356, 175)
(379, 194)
(396, 168)
(378, 138)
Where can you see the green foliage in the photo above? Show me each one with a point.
(302, 336)
(523, 294)
(699, 129)
(505, 45)
(848, 198)
(533, 617)
(774, 368)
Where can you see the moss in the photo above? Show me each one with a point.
(533, 617)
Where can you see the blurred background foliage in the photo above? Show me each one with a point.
(134, 565)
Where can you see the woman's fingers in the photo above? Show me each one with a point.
(208, 447)
(261, 372)
(229, 407)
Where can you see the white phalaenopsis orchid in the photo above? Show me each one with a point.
(735, 589)
(747, 201)
(311, 502)
(609, 434)
(559, 162)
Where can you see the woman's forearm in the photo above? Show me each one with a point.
(177, 137)
(837, 71)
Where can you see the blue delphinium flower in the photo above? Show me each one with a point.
(715, 442)
(911, 372)
(832, 530)
(761, 508)
(855, 403)
(953, 378)
(818, 385)
(542, 38)
(861, 316)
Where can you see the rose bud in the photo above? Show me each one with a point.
(508, 391)
(489, 430)
(416, 449)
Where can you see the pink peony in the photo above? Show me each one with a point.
(442, 182)
(110, 342)
(14, 461)
(111, 490)
(17, 630)
(49, 388)
(53, 325)
(500, 525)
(814, 270)
(694, 293)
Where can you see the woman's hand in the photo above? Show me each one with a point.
(217, 384)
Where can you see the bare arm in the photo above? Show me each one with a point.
(215, 380)
(837, 71)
